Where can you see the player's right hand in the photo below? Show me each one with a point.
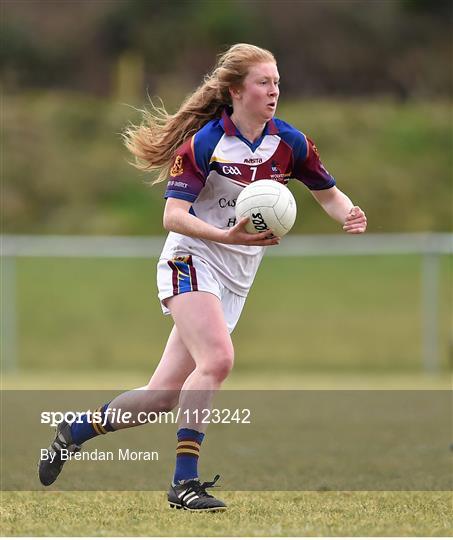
(238, 235)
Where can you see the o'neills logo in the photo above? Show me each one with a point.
(177, 169)
(252, 161)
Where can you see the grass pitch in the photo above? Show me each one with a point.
(258, 513)
(79, 329)
(249, 514)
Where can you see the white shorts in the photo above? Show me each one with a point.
(190, 273)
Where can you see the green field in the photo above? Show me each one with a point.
(315, 323)
(250, 514)
(339, 315)
(290, 513)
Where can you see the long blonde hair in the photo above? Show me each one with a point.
(154, 142)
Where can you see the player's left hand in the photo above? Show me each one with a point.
(355, 222)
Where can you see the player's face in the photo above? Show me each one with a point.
(259, 93)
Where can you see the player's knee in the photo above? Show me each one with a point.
(220, 364)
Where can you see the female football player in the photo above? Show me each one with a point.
(223, 137)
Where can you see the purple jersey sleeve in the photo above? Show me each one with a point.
(186, 179)
(309, 169)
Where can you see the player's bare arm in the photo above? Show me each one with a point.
(340, 208)
(178, 219)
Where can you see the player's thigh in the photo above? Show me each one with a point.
(174, 367)
(201, 324)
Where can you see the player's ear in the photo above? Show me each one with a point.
(235, 92)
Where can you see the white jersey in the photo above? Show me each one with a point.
(213, 167)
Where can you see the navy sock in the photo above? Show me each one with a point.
(187, 453)
(89, 426)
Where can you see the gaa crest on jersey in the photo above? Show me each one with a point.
(177, 169)
(230, 170)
